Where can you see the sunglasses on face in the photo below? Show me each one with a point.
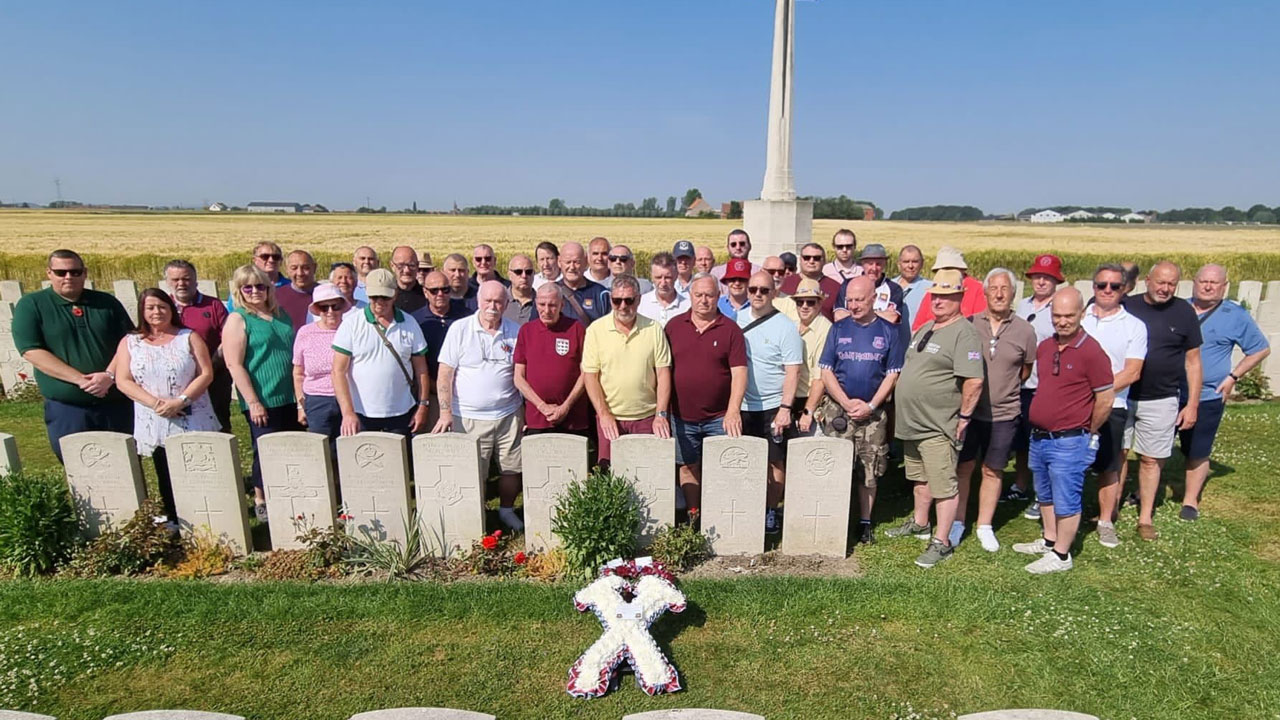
(1112, 286)
(521, 271)
(619, 258)
(737, 244)
(481, 259)
(807, 302)
(759, 290)
(621, 301)
(63, 272)
(437, 290)
(811, 258)
(844, 247)
(777, 272)
(329, 307)
(256, 287)
(924, 341)
(270, 256)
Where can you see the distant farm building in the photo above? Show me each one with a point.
(274, 207)
(1047, 216)
(218, 207)
(701, 207)
(1135, 217)
(1079, 215)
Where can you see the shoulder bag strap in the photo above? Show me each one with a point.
(408, 378)
(572, 298)
(757, 321)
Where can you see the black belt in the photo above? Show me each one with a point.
(1056, 434)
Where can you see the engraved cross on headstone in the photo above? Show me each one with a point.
(105, 505)
(816, 517)
(733, 512)
(374, 511)
(208, 512)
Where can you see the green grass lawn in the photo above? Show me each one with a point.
(1185, 627)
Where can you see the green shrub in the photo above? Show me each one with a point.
(1253, 385)
(398, 560)
(679, 547)
(597, 520)
(138, 546)
(38, 526)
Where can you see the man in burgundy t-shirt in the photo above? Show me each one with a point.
(204, 316)
(812, 258)
(1072, 401)
(709, 379)
(548, 359)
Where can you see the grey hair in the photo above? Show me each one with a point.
(1013, 279)
(178, 265)
(1116, 268)
(626, 281)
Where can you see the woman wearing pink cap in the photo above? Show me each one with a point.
(313, 362)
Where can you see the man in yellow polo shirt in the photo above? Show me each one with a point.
(626, 366)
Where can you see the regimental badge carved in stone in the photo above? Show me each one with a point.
(92, 454)
(368, 456)
(820, 462)
(734, 458)
(198, 457)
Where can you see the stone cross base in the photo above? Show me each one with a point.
(777, 226)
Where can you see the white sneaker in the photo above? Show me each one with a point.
(987, 537)
(957, 532)
(510, 519)
(1032, 548)
(1049, 563)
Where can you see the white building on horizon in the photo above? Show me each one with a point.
(1047, 216)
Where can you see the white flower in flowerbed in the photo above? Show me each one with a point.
(627, 598)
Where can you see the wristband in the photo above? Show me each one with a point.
(1233, 376)
(186, 401)
(966, 417)
(110, 375)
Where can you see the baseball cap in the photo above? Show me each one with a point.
(874, 251)
(808, 288)
(947, 281)
(949, 257)
(380, 283)
(683, 248)
(326, 292)
(736, 269)
(1050, 265)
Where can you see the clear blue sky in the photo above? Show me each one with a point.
(1002, 105)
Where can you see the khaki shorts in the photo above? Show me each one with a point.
(498, 438)
(869, 437)
(932, 461)
(1151, 427)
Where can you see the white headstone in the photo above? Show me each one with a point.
(1249, 292)
(550, 461)
(649, 464)
(1272, 363)
(449, 481)
(297, 477)
(126, 291)
(1268, 316)
(734, 474)
(173, 715)
(10, 291)
(1185, 289)
(9, 461)
(1273, 290)
(818, 494)
(1027, 715)
(373, 471)
(1085, 287)
(693, 714)
(418, 713)
(1019, 290)
(105, 478)
(15, 715)
(15, 371)
(207, 489)
(1139, 287)
(207, 287)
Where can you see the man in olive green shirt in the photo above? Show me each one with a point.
(937, 393)
(69, 334)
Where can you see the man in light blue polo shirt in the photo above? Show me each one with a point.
(1223, 325)
(775, 353)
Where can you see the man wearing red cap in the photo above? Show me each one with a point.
(1045, 275)
(736, 274)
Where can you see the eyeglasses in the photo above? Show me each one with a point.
(521, 271)
(1112, 286)
(620, 301)
(848, 246)
(329, 307)
(779, 272)
(270, 256)
(759, 290)
(483, 259)
(256, 287)
(811, 258)
(63, 272)
(437, 290)
(806, 302)
(924, 341)
(619, 258)
(405, 266)
(1057, 361)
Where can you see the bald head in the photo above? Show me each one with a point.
(859, 298)
(1068, 310)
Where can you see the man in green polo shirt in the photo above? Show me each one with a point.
(69, 334)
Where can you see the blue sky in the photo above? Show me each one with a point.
(1002, 105)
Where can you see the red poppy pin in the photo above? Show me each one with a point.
(75, 310)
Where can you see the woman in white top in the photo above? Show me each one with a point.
(165, 370)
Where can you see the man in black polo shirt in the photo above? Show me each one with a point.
(69, 334)
(440, 313)
(1173, 349)
(409, 296)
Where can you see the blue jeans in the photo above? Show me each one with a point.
(62, 419)
(689, 437)
(1058, 466)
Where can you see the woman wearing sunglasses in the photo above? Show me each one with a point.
(313, 363)
(257, 342)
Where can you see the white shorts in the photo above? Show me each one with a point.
(1151, 427)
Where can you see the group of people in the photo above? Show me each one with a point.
(573, 340)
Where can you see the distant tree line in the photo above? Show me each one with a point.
(1258, 213)
(842, 208)
(952, 213)
(648, 207)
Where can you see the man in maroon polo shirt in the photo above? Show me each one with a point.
(709, 379)
(204, 316)
(548, 373)
(1072, 401)
(812, 259)
(295, 298)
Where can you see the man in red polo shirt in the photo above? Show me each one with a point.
(204, 316)
(1072, 401)
(709, 379)
(975, 298)
(548, 359)
(812, 259)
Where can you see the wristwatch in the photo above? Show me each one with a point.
(185, 400)
(1233, 376)
(424, 403)
(664, 414)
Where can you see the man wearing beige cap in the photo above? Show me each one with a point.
(425, 266)
(974, 299)
(813, 328)
(936, 396)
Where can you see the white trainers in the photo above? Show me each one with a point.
(1049, 563)
(510, 519)
(987, 537)
(957, 532)
(1032, 548)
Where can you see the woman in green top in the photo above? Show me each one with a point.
(257, 343)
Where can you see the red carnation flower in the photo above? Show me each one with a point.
(489, 542)
(497, 533)
(521, 558)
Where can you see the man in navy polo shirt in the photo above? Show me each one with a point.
(1073, 400)
(1224, 326)
(584, 299)
(441, 312)
(860, 365)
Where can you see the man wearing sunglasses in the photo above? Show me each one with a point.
(441, 312)
(69, 335)
(739, 245)
(520, 268)
(486, 267)
(626, 362)
(1073, 401)
(806, 312)
(936, 396)
(775, 354)
(622, 262)
(812, 258)
(843, 267)
(735, 300)
(267, 257)
(1124, 338)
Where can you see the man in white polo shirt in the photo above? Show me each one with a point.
(1124, 338)
(477, 391)
(378, 354)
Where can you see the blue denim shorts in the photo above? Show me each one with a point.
(1058, 466)
(689, 437)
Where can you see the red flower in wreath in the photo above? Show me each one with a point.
(76, 310)
(489, 542)
(497, 534)
(521, 558)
